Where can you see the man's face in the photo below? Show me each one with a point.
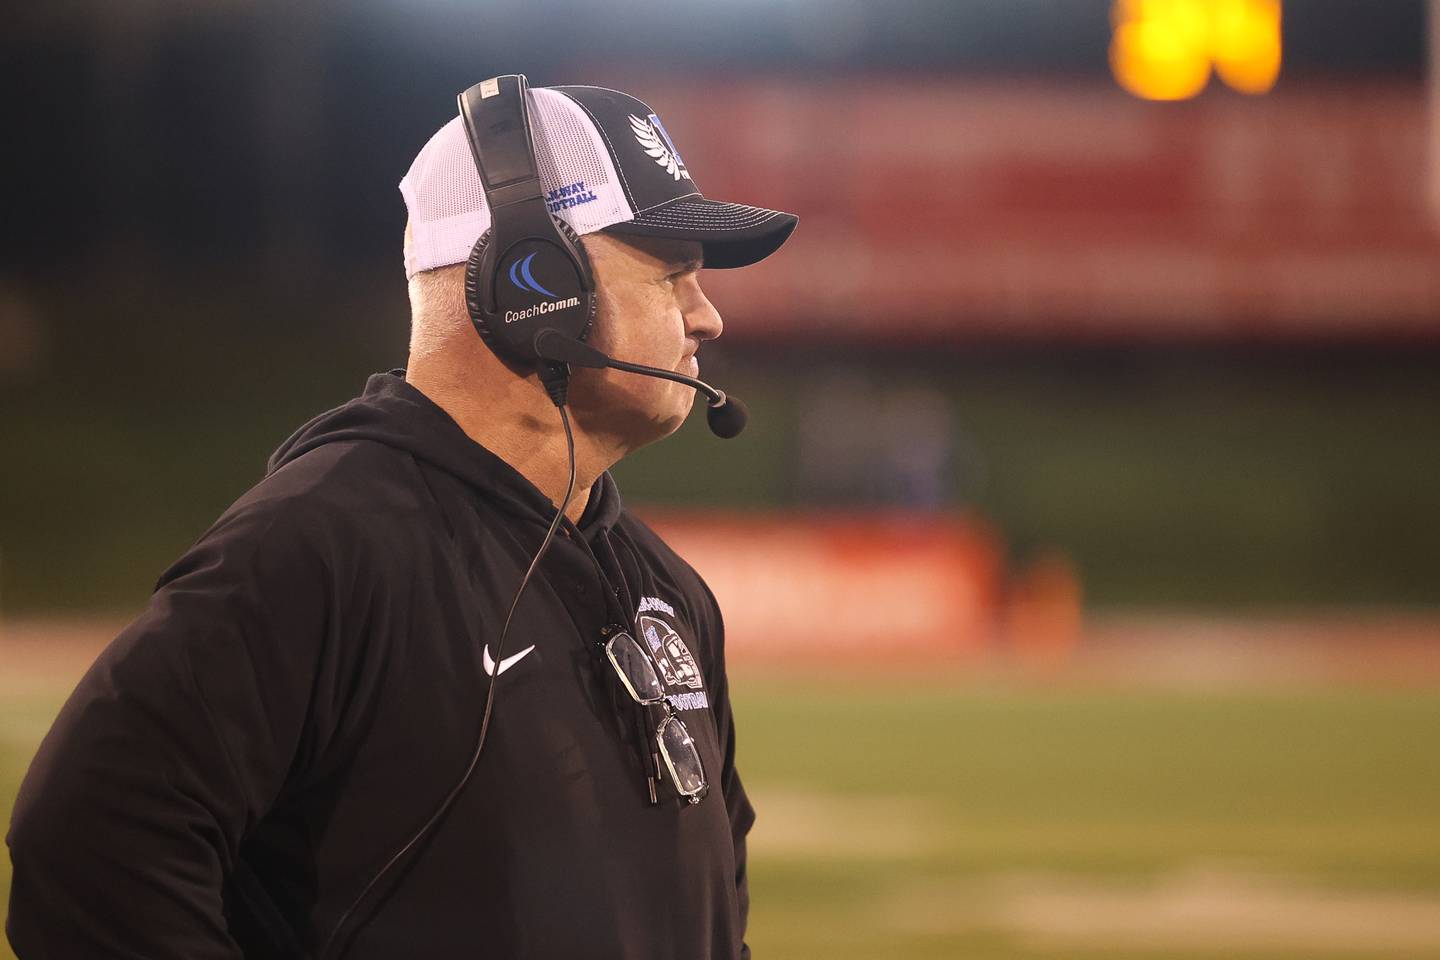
(650, 310)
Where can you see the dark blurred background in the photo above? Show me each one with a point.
(1193, 346)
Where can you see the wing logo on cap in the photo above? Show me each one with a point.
(652, 139)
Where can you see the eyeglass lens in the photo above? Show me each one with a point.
(635, 668)
(681, 757)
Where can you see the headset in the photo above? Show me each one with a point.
(546, 336)
(524, 238)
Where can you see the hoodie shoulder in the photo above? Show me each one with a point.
(356, 477)
(330, 505)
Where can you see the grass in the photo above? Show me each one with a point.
(982, 796)
(982, 823)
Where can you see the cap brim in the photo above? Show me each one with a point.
(731, 234)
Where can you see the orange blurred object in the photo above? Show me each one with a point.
(895, 587)
(1043, 613)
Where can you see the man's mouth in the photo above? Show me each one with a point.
(690, 364)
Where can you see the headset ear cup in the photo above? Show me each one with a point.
(510, 344)
(476, 267)
(586, 276)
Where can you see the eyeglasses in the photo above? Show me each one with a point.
(638, 673)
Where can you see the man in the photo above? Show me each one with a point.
(272, 760)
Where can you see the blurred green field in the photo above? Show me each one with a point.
(1180, 476)
(982, 823)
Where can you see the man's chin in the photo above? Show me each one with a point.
(629, 427)
(658, 428)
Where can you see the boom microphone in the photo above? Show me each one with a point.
(727, 416)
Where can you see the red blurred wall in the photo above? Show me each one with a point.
(936, 209)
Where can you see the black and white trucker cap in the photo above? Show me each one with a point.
(606, 163)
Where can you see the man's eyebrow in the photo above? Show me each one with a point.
(686, 265)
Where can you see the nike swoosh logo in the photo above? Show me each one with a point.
(489, 663)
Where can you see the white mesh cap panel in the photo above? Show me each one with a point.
(570, 151)
(446, 202)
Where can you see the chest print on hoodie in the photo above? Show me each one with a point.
(677, 664)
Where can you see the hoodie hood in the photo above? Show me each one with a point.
(392, 412)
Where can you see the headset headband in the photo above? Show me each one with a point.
(497, 121)
(528, 252)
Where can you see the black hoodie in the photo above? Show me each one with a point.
(306, 685)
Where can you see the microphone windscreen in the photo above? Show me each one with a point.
(727, 419)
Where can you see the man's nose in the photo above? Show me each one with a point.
(702, 320)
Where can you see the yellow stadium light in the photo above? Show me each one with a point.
(1160, 48)
(1165, 49)
(1246, 43)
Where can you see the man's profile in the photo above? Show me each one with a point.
(271, 761)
